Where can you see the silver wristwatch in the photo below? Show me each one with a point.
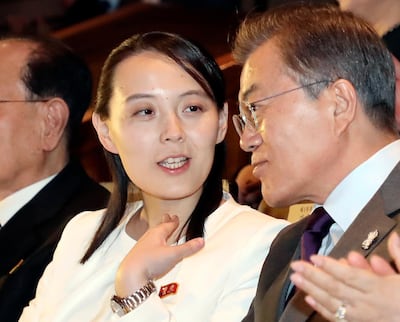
(123, 305)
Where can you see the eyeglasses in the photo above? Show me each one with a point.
(25, 101)
(248, 116)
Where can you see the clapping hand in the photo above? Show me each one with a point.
(363, 290)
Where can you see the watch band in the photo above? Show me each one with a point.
(123, 305)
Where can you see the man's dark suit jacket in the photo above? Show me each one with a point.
(28, 240)
(382, 213)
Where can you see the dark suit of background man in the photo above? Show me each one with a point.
(320, 86)
(44, 92)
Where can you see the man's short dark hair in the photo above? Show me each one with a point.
(54, 70)
(319, 42)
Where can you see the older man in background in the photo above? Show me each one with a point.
(45, 89)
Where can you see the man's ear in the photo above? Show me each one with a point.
(55, 114)
(103, 133)
(222, 123)
(345, 104)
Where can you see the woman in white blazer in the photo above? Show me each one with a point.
(186, 251)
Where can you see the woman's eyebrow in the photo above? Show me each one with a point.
(194, 92)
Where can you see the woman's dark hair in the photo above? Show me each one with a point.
(200, 65)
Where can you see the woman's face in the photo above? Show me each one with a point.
(163, 126)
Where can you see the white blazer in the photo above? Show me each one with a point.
(216, 284)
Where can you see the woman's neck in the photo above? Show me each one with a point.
(153, 210)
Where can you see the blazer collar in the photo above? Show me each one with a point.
(376, 216)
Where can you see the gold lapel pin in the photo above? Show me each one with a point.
(372, 236)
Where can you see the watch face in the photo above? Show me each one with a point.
(117, 308)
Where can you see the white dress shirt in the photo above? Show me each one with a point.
(14, 202)
(354, 192)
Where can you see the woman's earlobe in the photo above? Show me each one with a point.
(222, 123)
(103, 133)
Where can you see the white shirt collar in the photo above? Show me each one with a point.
(14, 202)
(348, 199)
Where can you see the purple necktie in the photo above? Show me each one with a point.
(317, 228)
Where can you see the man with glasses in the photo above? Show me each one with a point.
(317, 113)
(45, 89)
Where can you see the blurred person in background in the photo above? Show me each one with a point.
(45, 90)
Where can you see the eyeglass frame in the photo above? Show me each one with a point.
(240, 121)
(26, 101)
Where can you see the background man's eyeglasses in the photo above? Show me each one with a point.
(24, 101)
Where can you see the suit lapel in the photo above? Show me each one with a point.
(296, 309)
(274, 280)
(372, 218)
(30, 221)
(377, 215)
